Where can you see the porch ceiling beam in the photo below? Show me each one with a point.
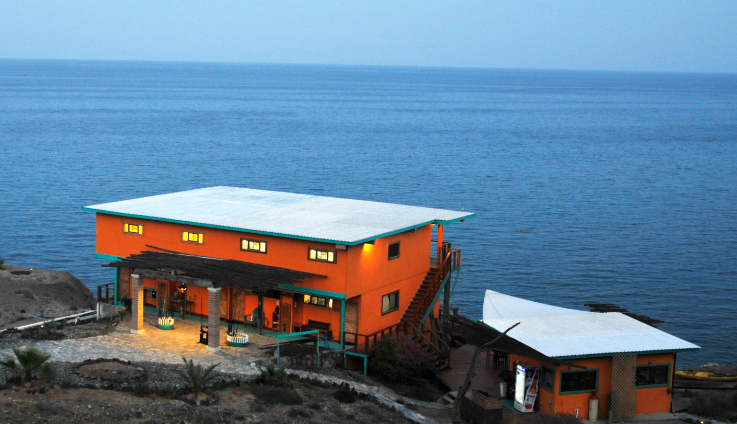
(160, 275)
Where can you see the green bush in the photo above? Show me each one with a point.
(273, 395)
(399, 359)
(29, 359)
(196, 375)
(272, 376)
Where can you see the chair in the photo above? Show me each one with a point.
(253, 317)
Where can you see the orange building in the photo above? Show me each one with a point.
(279, 261)
(628, 364)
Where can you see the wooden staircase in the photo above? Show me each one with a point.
(423, 297)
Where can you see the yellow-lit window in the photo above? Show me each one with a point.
(318, 301)
(129, 228)
(321, 255)
(189, 237)
(253, 246)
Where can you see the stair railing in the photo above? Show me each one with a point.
(451, 260)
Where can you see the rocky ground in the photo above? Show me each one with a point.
(40, 292)
(115, 392)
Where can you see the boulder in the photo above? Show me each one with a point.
(41, 292)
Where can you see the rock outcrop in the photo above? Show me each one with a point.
(40, 292)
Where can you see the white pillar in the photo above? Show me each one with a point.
(137, 304)
(213, 319)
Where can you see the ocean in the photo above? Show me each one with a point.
(588, 186)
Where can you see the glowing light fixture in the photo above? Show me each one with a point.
(182, 287)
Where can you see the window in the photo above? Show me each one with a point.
(197, 238)
(652, 375)
(394, 250)
(390, 302)
(547, 379)
(579, 381)
(319, 301)
(129, 228)
(321, 255)
(253, 246)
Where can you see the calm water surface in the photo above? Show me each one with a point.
(589, 186)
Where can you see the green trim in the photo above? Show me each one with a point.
(107, 257)
(453, 289)
(544, 367)
(305, 290)
(268, 233)
(645, 352)
(365, 360)
(342, 323)
(596, 388)
(653, 385)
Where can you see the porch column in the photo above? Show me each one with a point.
(213, 319)
(137, 304)
(342, 323)
(440, 244)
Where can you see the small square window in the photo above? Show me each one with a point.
(547, 379)
(190, 237)
(253, 245)
(394, 250)
(390, 302)
(130, 228)
(321, 255)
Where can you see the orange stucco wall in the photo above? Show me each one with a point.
(363, 272)
(649, 400)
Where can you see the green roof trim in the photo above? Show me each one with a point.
(107, 257)
(244, 230)
(646, 352)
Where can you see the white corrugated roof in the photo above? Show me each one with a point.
(330, 219)
(499, 305)
(590, 333)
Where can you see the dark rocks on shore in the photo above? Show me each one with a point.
(40, 292)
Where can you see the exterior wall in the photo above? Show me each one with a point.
(655, 399)
(362, 271)
(649, 400)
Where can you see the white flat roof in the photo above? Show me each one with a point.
(499, 305)
(587, 334)
(319, 218)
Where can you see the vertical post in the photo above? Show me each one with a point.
(137, 304)
(213, 319)
(446, 304)
(115, 291)
(440, 244)
(317, 346)
(342, 324)
(260, 312)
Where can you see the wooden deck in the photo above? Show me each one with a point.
(486, 377)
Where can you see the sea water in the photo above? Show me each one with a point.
(588, 186)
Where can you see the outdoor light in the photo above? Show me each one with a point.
(182, 287)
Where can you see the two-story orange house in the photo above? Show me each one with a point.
(350, 267)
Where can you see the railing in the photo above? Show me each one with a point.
(442, 350)
(451, 260)
(362, 343)
(109, 293)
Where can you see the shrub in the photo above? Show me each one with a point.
(344, 396)
(400, 359)
(196, 375)
(29, 359)
(551, 419)
(273, 395)
(299, 411)
(272, 376)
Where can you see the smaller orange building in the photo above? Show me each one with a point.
(628, 364)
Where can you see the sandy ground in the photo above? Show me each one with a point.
(40, 292)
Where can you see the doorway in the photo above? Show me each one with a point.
(351, 321)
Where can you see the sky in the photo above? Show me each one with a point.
(643, 35)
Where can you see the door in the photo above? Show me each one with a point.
(285, 323)
(162, 288)
(237, 305)
(351, 321)
(224, 303)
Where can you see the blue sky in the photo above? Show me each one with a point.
(681, 36)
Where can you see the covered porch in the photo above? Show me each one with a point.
(246, 298)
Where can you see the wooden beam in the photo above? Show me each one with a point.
(159, 275)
